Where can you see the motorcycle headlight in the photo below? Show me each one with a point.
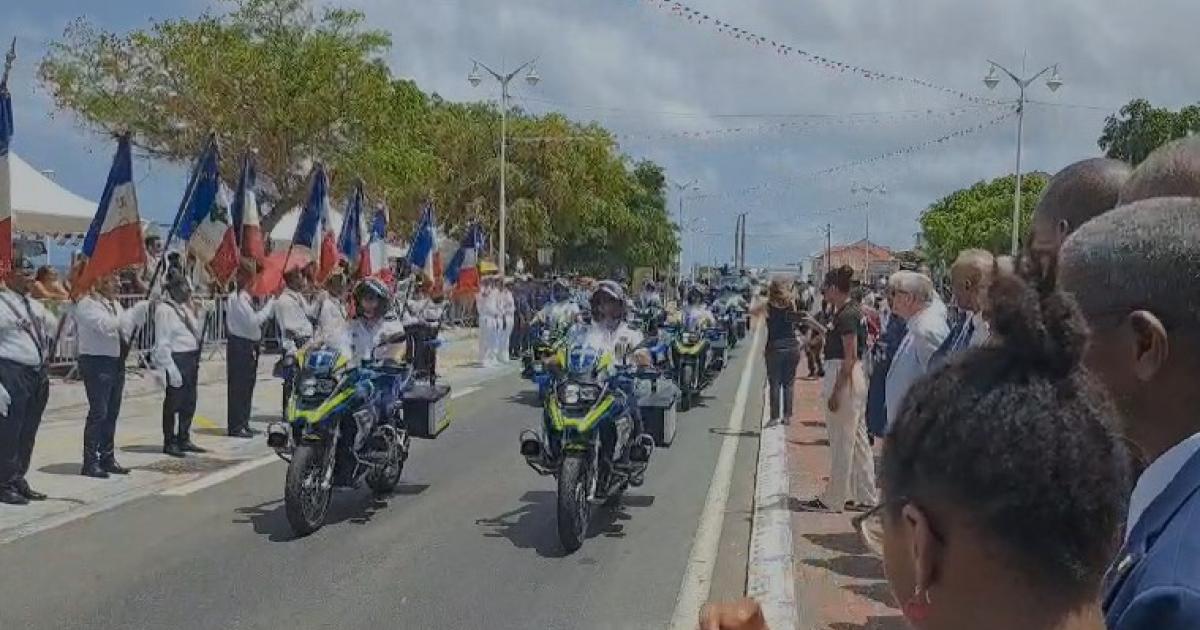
(689, 337)
(325, 386)
(546, 336)
(308, 387)
(570, 394)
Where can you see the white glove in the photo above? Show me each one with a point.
(174, 378)
(5, 400)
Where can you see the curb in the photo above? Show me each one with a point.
(770, 577)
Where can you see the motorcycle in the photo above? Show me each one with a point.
(697, 355)
(587, 440)
(336, 434)
(727, 319)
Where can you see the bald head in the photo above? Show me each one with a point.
(1172, 170)
(1081, 191)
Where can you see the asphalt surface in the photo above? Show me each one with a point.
(467, 541)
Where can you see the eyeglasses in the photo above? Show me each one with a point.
(869, 525)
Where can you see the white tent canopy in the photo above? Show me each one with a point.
(40, 206)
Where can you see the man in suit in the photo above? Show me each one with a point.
(970, 276)
(1135, 272)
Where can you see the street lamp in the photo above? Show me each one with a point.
(991, 81)
(878, 189)
(681, 188)
(475, 78)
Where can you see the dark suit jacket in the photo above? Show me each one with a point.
(1154, 584)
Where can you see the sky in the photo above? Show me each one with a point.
(780, 138)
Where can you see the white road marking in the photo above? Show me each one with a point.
(463, 392)
(222, 476)
(697, 578)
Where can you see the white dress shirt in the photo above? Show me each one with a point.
(243, 320)
(292, 312)
(171, 332)
(604, 338)
(926, 332)
(20, 325)
(1157, 476)
(102, 324)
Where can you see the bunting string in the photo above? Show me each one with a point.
(683, 11)
(766, 187)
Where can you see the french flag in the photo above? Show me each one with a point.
(463, 271)
(311, 216)
(376, 259)
(206, 227)
(423, 254)
(349, 243)
(114, 239)
(6, 134)
(247, 229)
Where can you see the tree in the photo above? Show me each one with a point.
(1139, 128)
(978, 217)
(269, 75)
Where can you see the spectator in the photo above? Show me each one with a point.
(1135, 272)
(1075, 194)
(46, 286)
(1172, 170)
(1003, 481)
(912, 297)
(844, 389)
(969, 278)
(883, 352)
(782, 352)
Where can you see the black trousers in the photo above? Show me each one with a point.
(104, 382)
(179, 405)
(28, 387)
(781, 378)
(241, 371)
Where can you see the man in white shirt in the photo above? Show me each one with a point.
(178, 337)
(104, 330)
(329, 305)
(244, 319)
(487, 309)
(294, 316)
(912, 298)
(25, 329)
(506, 304)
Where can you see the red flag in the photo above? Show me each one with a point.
(114, 239)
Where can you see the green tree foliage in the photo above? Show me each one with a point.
(1139, 128)
(299, 85)
(979, 216)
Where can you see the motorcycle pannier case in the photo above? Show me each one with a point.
(425, 412)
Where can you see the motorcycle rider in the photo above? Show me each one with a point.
(609, 330)
(696, 314)
(375, 324)
(562, 310)
(650, 297)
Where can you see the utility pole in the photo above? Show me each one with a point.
(828, 248)
(743, 262)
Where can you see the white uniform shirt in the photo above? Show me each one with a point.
(365, 336)
(20, 325)
(243, 320)
(486, 304)
(171, 332)
(292, 312)
(505, 304)
(557, 314)
(330, 313)
(695, 317)
(102, 324)
(422, 311)
(604, 338)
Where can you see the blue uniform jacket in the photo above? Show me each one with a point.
(1154, 584)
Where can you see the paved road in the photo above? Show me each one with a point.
(468, 541)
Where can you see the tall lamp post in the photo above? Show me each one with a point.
(681, 188)
(878, 189)
(991, 81)
(532, 78)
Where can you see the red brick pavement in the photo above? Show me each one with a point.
(839, 584)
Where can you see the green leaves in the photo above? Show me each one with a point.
(300, 85)
(978, 217)
(1139, 128)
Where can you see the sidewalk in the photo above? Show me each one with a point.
(58, 453)
(839, 584)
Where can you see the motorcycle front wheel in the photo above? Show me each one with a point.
(383, 479)
(305, 498)
(686, 385)
(574, 511)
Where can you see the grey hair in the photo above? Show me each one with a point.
(915, 284)
(1145, 255)
(979, 262)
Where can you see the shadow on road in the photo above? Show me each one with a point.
(352, 506)
(143, 448)
(66, 468)
(534, 524)
(527, 397)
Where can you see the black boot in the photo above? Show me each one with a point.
(93, 469)
(188, 446)
(171, 447)
(109, 465)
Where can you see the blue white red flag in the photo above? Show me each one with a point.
(6, 134)
(247, 228)
(114, 239)
(350, 241)
(305, 236)
(376, 258)
(463, 270)
(206, 227)
(423, 253)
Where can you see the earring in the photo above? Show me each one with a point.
(918, 607)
